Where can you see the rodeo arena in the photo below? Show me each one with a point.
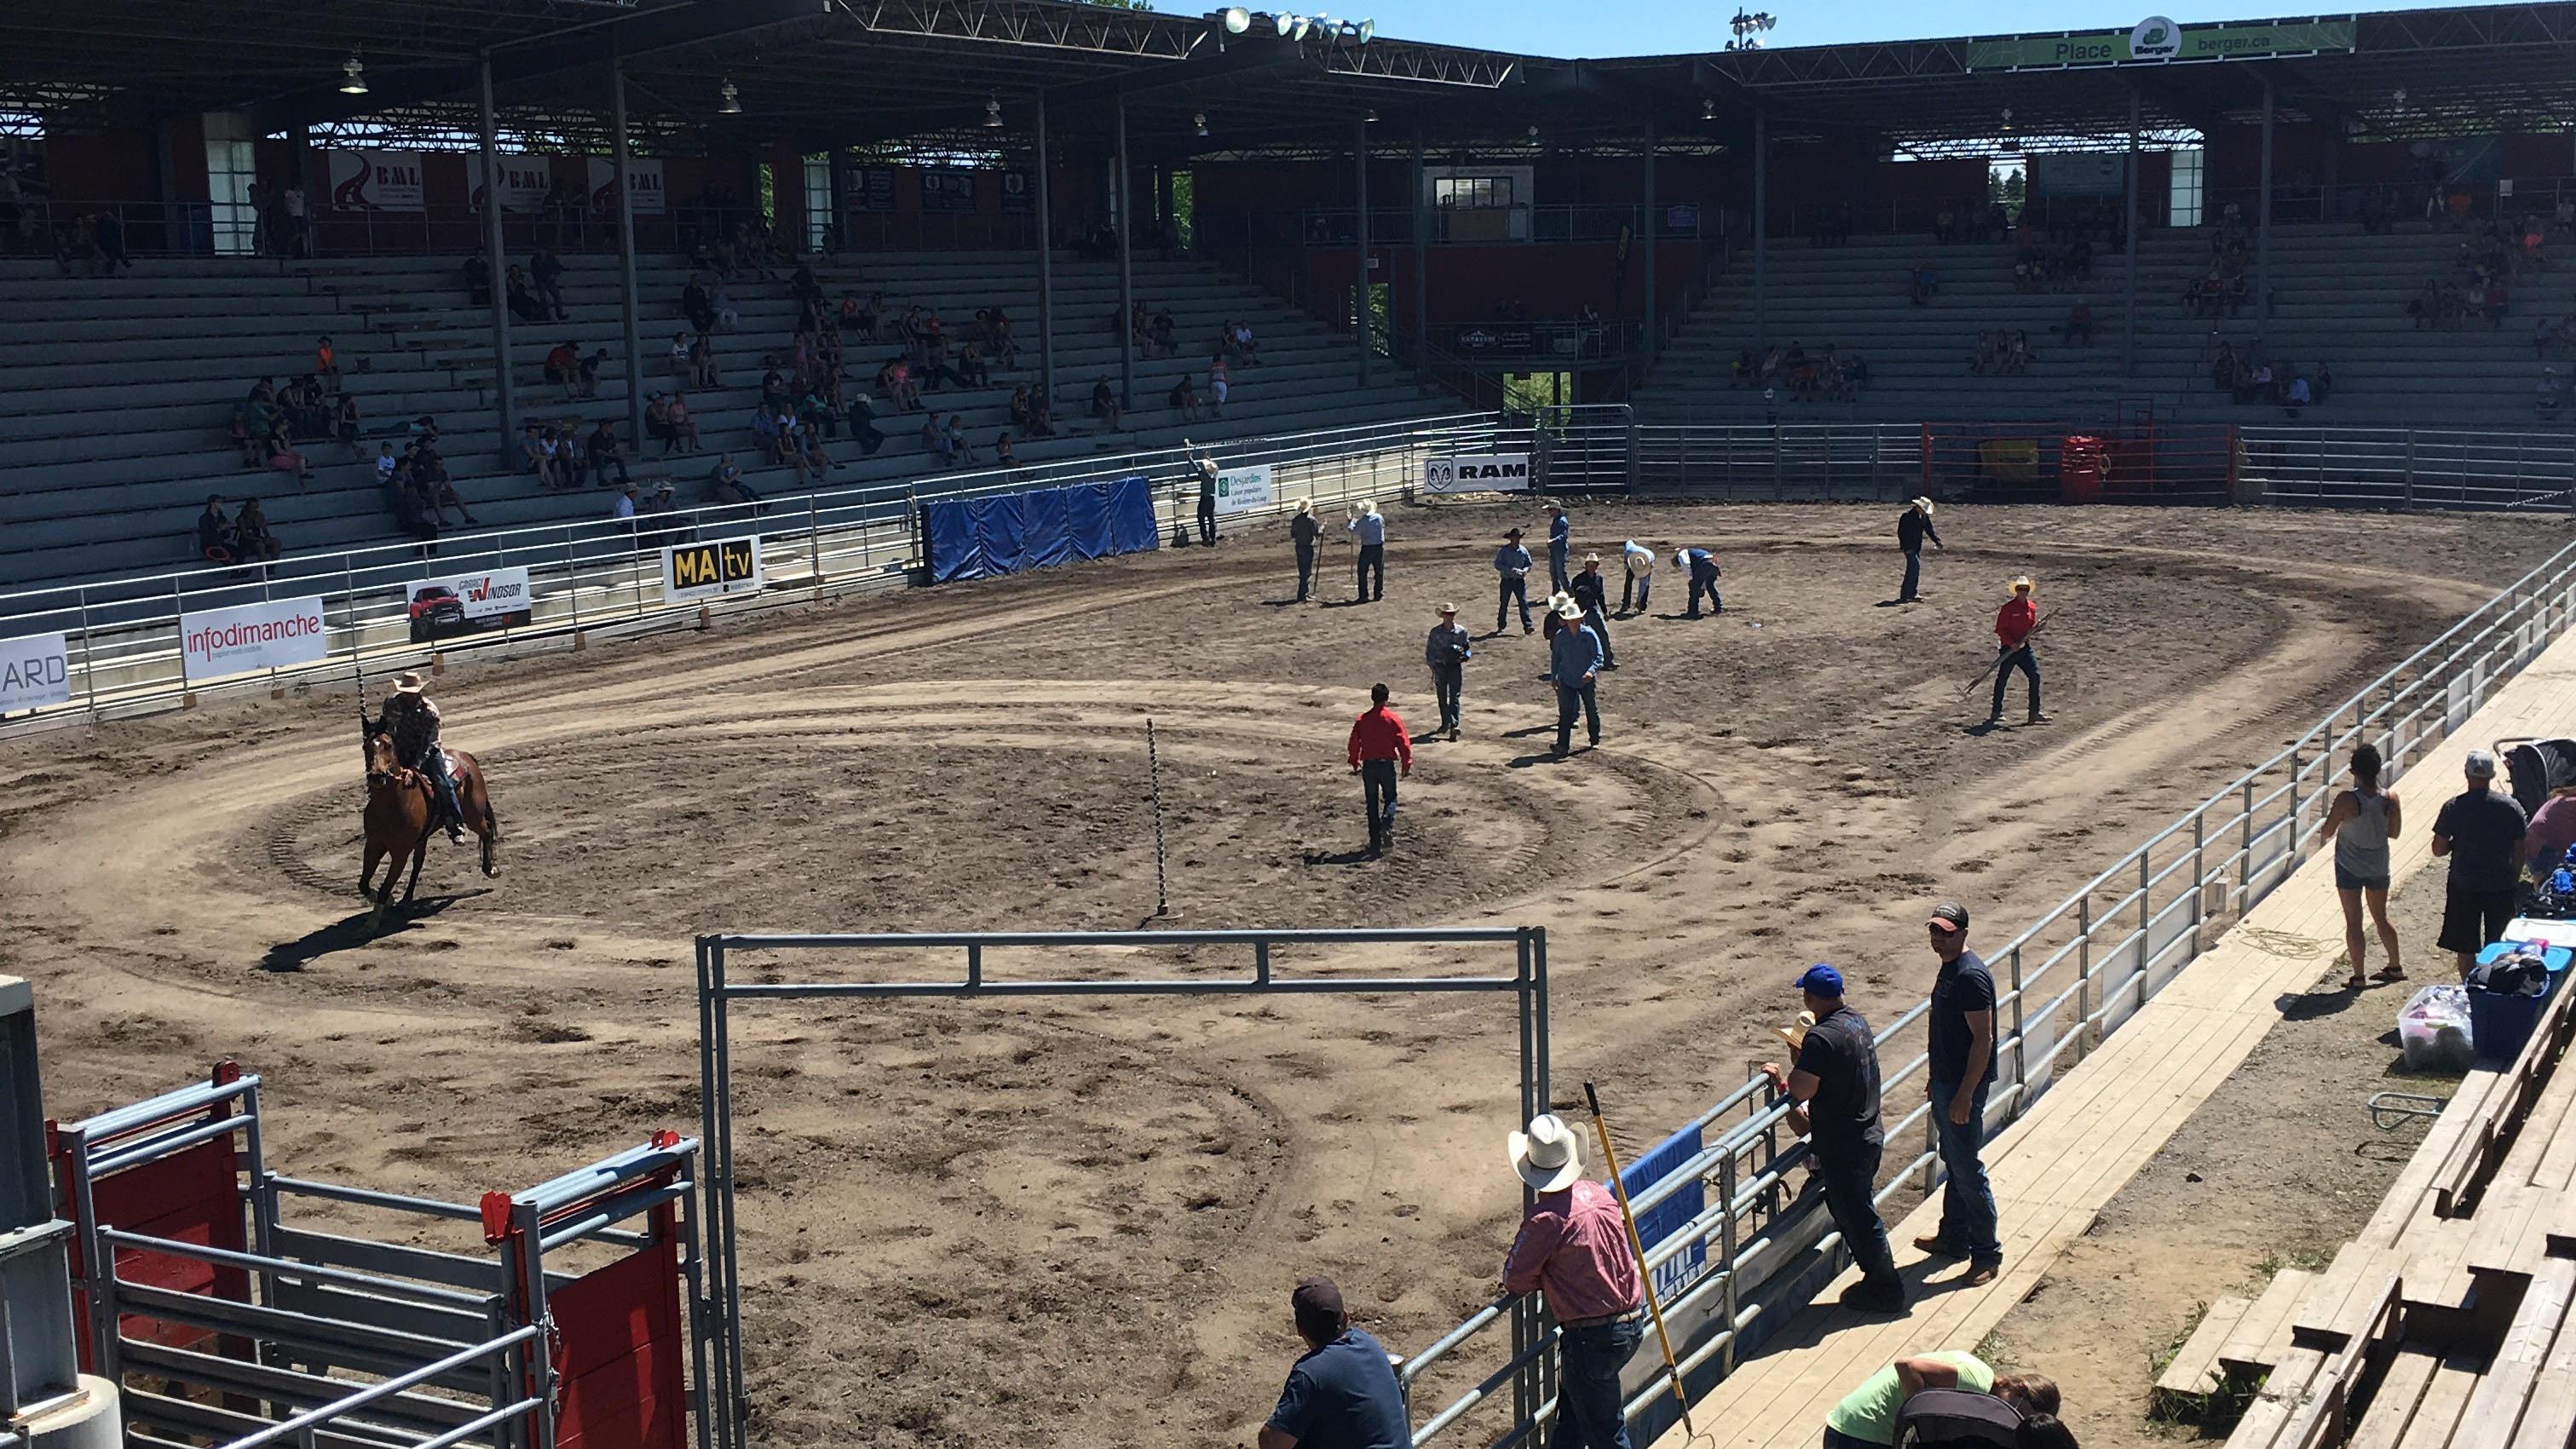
(738, 723)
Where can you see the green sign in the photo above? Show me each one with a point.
(2115, 47)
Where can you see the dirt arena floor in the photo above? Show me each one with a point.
(1080, 1219)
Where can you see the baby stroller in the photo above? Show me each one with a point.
(2536, 767)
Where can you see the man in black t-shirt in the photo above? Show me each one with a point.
(1833, 1092)
(1962, 1067)
(2481, 831)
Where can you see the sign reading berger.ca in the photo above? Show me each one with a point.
(271, 635)
(1477, 473)
(35, 671)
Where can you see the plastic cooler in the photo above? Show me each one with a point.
(2499, 1025)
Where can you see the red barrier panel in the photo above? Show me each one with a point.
(620, 1352)
(189, 1196)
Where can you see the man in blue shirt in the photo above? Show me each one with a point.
(1370, 525)
(1560, 545)
(1573, 664)
(1343, 1393)
(1701, 565)
(1512, 561)
(1962, 1067)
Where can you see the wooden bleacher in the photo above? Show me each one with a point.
(2471, 1261)
(2410, 1323)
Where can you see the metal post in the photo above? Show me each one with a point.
(2129, 307)
(1046, 271)
(504, 399)
(1646, 237)
(1360, 288)
(2245, 861)
(2199, 874)
(2084, 1001)
(1154, 771)
(1126, 266)
(814, 543)
(2298, 827)
(1761, 248)
(629, 309)
(1727, 1248)
(2408, 502)
(2263, 225)
(2021, 1039)
(1421, 259)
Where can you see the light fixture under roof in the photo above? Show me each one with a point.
(1369, 115)
(353, 77)
(1200, 121)
(732, 103)
(1237, 19)
(992, 113)
(1708, 110)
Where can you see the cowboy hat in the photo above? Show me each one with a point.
(1556, 602)
(1570, 611)
(1549, 1156)
(1592, 558)
(1447, 608)
(1681, 558)
(1368, 505)
(2022, 584)
(1305, 505)
(1511, 533)
(1795, 1034)
(410, 683)
(1923, 505)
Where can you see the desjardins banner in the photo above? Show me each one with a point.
(2147, 45)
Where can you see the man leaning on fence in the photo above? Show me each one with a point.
(1573, 1247)
(1833, 1095)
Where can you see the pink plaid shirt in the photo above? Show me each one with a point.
(1573, 1247)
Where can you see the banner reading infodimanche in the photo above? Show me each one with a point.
(277, 634)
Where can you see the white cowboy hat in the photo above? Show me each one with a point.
(1592, 558)
(1305, 505)
(2021, 584)
(1447, 609)
(1556, 602)
(1795, 1034)
(1681, 558)
(1570, 611)
(410, 683)
(1549, 1156)
(1923, 504)
(1368, 505)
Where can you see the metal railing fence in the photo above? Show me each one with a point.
(122, 635)
(2070, 978)
(2411, 468)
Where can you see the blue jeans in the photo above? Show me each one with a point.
(2025, 661)
(1377, 781)
(1515, 587)
(1557, 578)
(1305, 570)
(1587, 1388)
(1967, 1199)
(1704, 584)
(1449, 686)
(1913, 575)
(1851, 1181)
(433, 763)
(1572, 699)
(1372, 561)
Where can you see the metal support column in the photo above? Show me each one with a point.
(628, 306)
(2263, 225)
(1360, 287)
(1046, 269)
(1126, 222)
(1761, 250)
(1421, 259)
(1646, 237)
(2129, 304)
(504, 399)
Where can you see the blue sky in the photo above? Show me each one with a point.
(1661, 27)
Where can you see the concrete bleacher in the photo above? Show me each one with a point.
(2339, 296)
(117, 393)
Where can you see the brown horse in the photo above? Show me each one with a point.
(401, 803)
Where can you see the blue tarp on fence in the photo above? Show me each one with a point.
(1003, 533)
(1670, 1216)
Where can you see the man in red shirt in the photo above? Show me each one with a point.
(1573, 1246)
(1378, 743)
(2015, 622)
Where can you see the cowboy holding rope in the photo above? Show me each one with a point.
(2015, 622)
(412, 721)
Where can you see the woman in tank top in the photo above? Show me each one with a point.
(2361, 822)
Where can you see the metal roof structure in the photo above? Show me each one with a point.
(921, 74)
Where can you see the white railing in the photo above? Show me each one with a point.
(602, 574)
(2066, 981)
(2411, 468)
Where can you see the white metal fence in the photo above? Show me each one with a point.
(2066, 981)
(123, 635)
(2411, 468)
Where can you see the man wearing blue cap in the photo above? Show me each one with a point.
(1833, 1092)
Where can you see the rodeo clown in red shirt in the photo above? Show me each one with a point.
(2015, 622)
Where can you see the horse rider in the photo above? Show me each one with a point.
(412, 721)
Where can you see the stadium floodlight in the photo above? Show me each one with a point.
(1303, 25)
(732, 102)
(1367, 31)
(1286, 22)
(992, 113)
(353, 77)
(1200, 121)
(1237, 19)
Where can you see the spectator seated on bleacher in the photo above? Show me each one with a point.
(894, 379)
(803, 448)
(478, 279)
(572, 461)
(934, 439)
(280, 455)
(1922, 285)
(725, 485)
(521, 297)
(1745, 371)
(2552, 393)
(2493, 305)
(2078, 331)
(253, 542)
(662, 506)
(215, 532)
(562, 365)
(1106, 404)
(1166, 332)
(697, 303)
(1003, 457)
(960, 449)
(410, 509)
(1184, 398)
(1029, 414)
(545, 281)
(1239, 344)
(349, 424)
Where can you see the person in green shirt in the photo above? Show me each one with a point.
(1866, 1418)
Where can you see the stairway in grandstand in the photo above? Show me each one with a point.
(2339, 296)
(117, 393)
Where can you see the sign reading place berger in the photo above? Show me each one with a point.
(695, 571)
(1477, 473)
